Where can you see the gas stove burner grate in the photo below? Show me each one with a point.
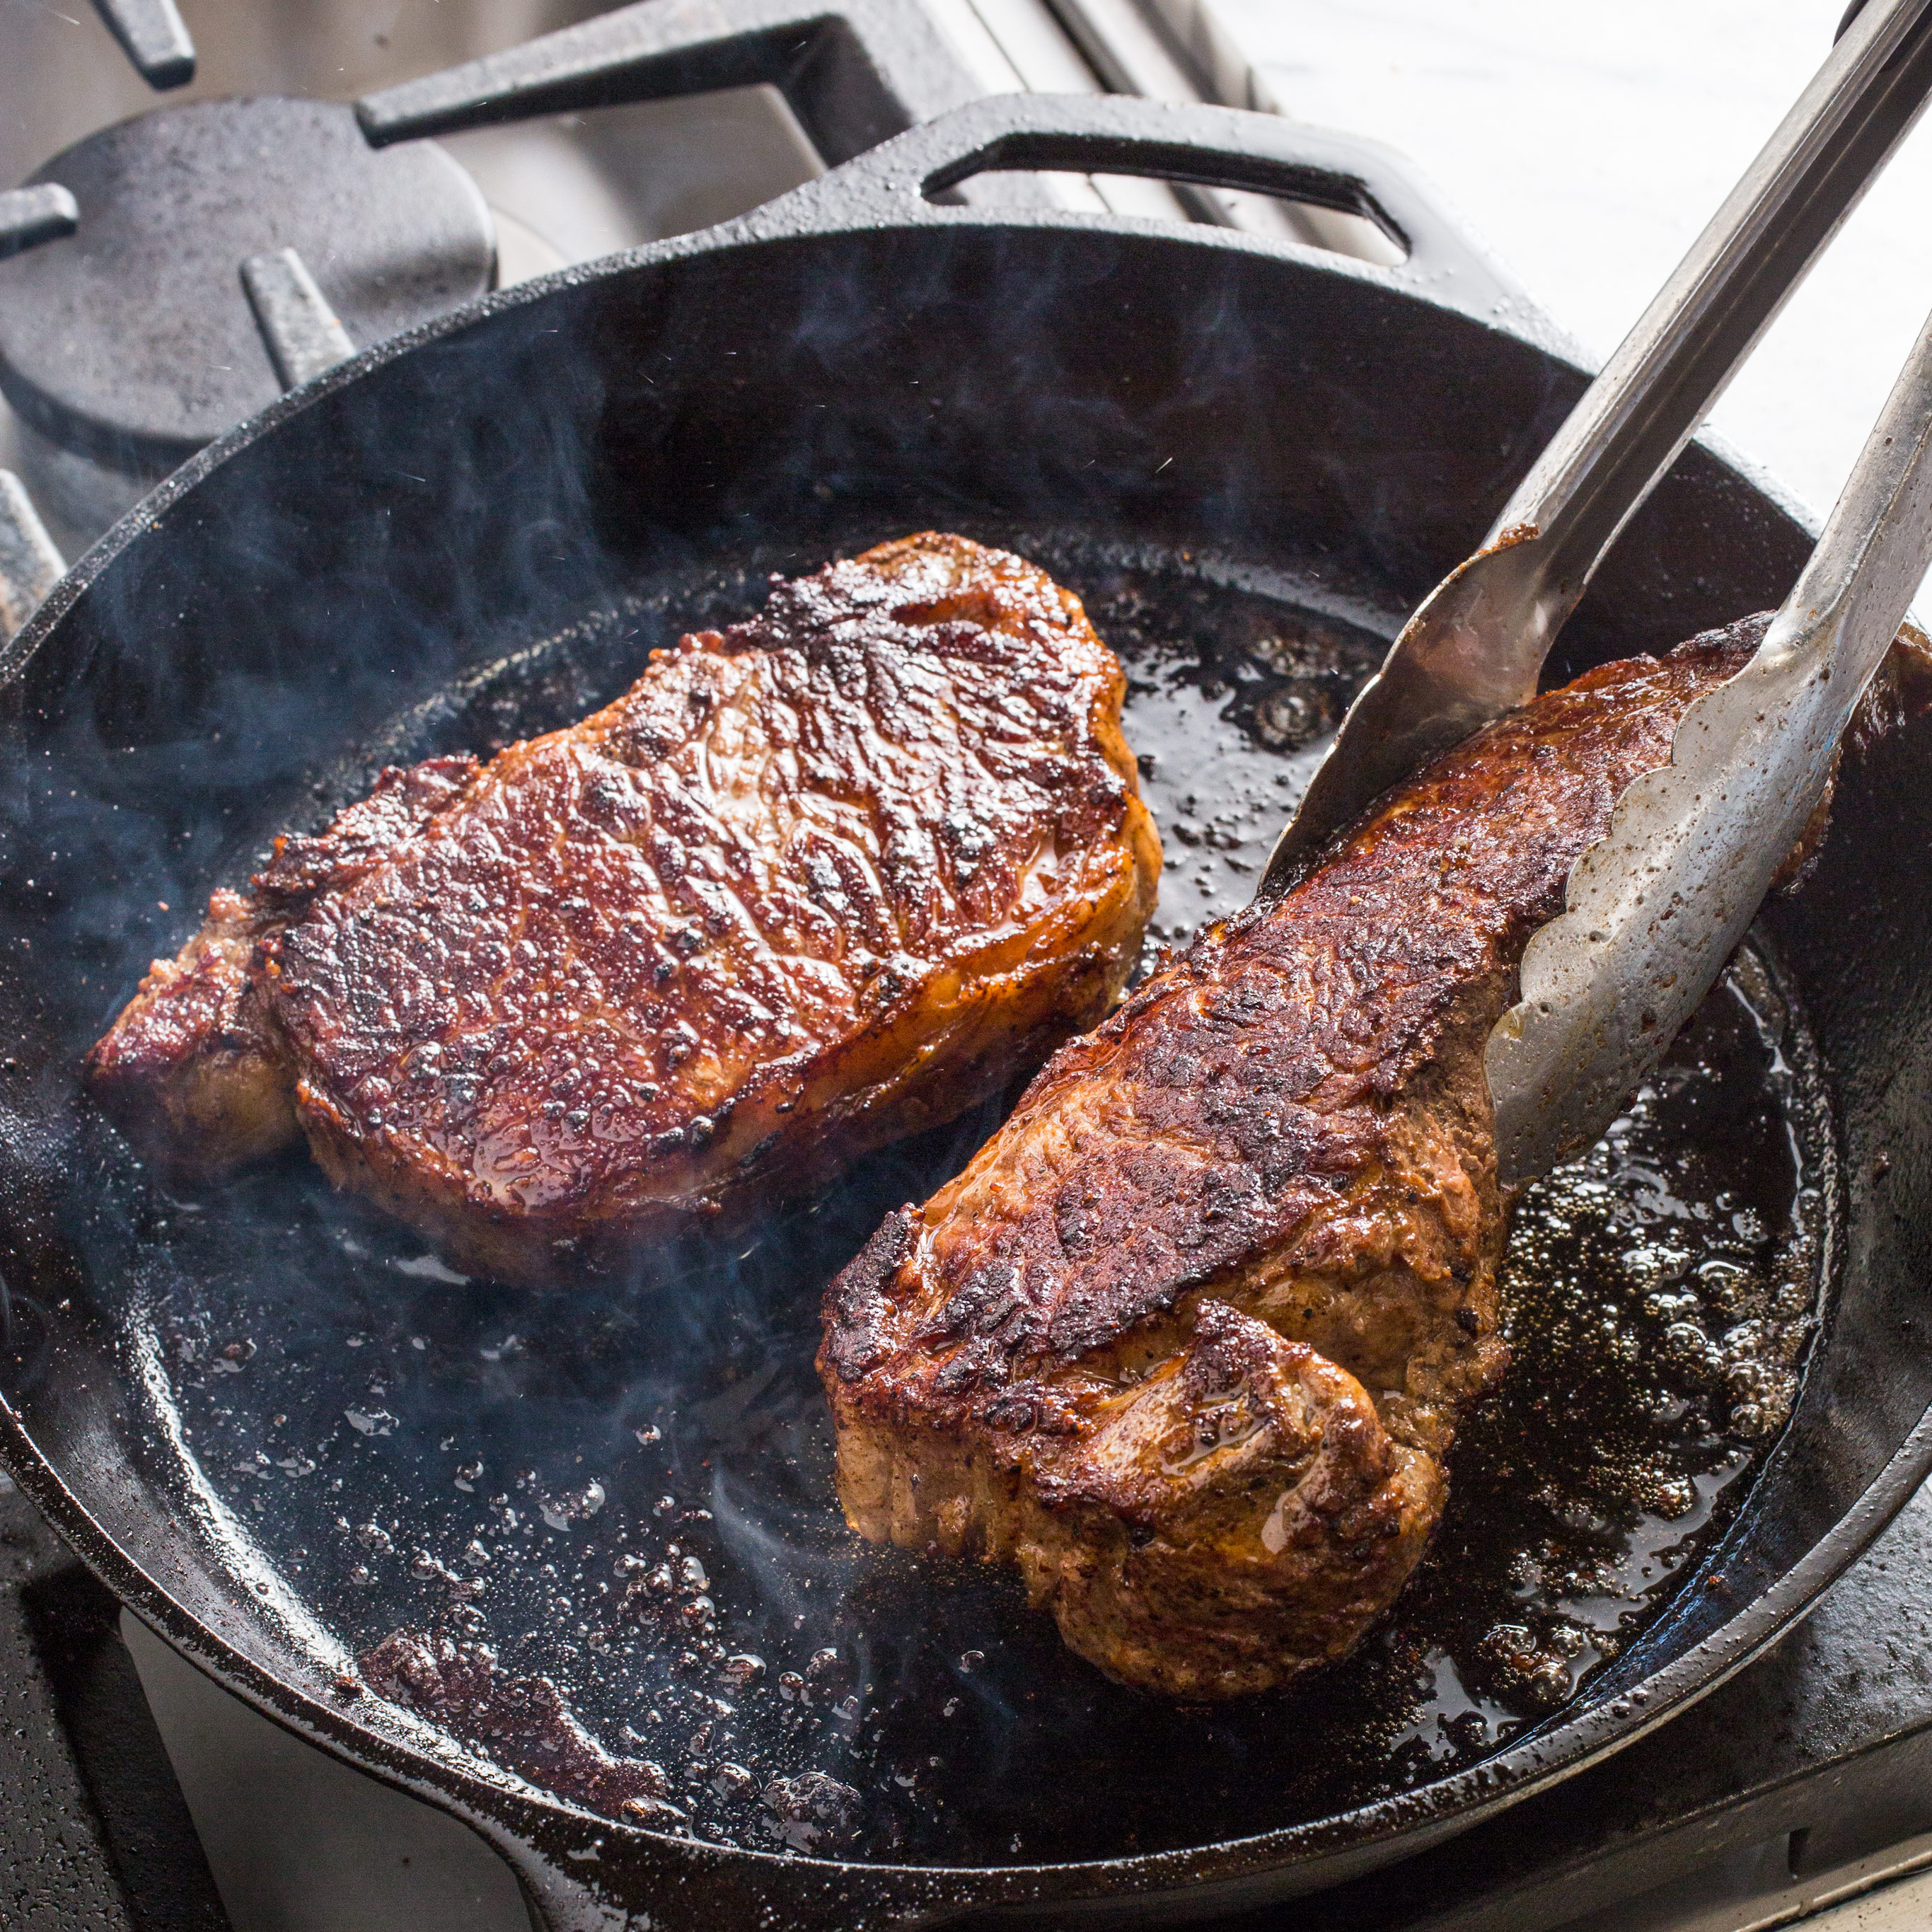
(133, 342)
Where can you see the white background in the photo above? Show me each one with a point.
(1588, 145)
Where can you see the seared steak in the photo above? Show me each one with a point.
(1189, 1340)
(814, 882)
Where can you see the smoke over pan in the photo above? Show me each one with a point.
(602, 1520)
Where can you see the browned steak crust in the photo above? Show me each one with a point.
(812, 882)
(1189, 1339)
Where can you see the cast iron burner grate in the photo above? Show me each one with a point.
(134, 341)
(166, 276)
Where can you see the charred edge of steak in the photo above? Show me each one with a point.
(195, 1071)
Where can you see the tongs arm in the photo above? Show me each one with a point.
(1474, 648)
(1654, 909)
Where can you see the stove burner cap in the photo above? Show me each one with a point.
(132, 342)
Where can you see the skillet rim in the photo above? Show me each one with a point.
(880, 191)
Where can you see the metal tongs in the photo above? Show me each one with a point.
(1656, 907)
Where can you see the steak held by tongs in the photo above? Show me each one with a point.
(1189, 1340)
(812, 882)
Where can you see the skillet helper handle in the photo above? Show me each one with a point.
(855, 72)
(31, 563)
(1209, 147)
(1661, 382)
(1655, 908)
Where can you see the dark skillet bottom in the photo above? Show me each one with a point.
(624, 1488)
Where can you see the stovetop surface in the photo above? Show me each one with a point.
(94, 1834)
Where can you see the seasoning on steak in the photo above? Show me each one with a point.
(1189, 1340)
(820, 880)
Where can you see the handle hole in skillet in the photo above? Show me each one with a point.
(1314, 206)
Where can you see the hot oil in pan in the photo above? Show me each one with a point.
(604, 1518)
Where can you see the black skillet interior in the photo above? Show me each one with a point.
(262, 1411)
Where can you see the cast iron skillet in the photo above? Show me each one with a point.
(608, 454)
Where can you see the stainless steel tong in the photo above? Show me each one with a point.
(1654, 909)
(1656, 906)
